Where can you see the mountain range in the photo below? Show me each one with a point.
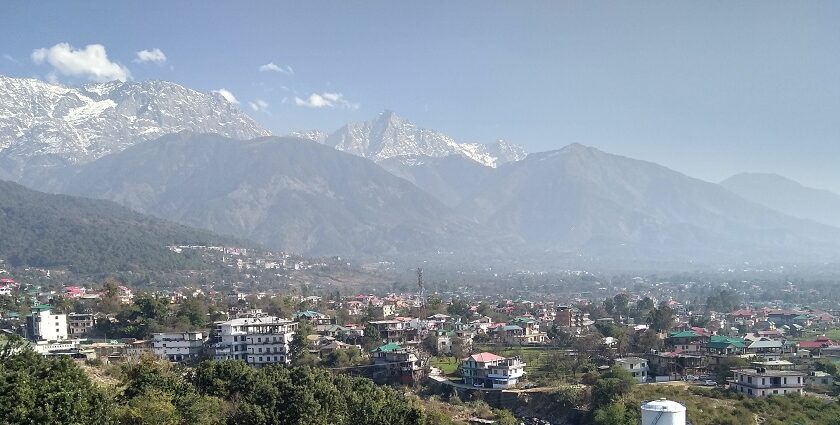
(788, 196)
(49, 124)
(390, 136)
(284, 192)
(386, 188)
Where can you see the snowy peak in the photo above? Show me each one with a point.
(392, 136)
(317, 136)
(81, 124)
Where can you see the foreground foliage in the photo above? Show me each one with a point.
(56, 391)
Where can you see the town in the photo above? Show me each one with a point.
(466, 345)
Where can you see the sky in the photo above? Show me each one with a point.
(706, 88)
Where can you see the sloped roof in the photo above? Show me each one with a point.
(684, 334)
(388, 347)
(485, 357)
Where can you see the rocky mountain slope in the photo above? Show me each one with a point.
(391, 136)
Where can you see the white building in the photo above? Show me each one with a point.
(491, 371)
(42, 325)
(760, 382)
(256, 340)
(637, 366)
(177, 346)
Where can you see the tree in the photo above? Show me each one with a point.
(614, 414)
(611, 385)
(662, 318)
(647, 341)
(459, 347)
(300, 345)
(458, 308)
(372, 339)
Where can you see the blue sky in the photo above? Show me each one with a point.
(706, 88)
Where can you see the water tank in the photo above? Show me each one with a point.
(663, 412)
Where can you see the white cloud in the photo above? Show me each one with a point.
(326, 100)
(9, 58)
(259, 105)
(273, 67)
(91, 62)
(155, 55)
(227, 95)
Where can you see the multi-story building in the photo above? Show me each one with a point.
(42, 325)
(178, 346)
(637, 366)
(570, 317)
(258, 341)
(762, 382)
(488, 370)
(79, 325)
(396, 332)
(396, 363)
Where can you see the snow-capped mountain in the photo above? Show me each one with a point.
(313, 135)
(81, 124)
(391, 136)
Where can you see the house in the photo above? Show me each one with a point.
(767, 348)
(819, 378)
(688, 340)
(177, 346)
(488, 370)
(763, 382)
(676, 364)
(397, 364)
(817, 344)
(383, 311)
(42, 325)
(637, 366)
(313, 317)
(258, 341)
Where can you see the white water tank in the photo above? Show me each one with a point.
(663, 412)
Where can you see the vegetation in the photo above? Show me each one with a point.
(56, 391)
(86, 235)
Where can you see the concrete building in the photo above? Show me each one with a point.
(637, 366)
(761, 382)
(572, 318)
(42, 325)
(79, 325)
(178, 346)
(397, 364)
(258, 341)
(488, 370)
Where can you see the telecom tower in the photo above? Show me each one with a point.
(421, 287)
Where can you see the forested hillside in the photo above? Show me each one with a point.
(86, 235)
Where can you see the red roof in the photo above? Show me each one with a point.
(485, 357)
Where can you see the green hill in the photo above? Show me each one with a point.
(85, 235)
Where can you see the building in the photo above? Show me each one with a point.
(383, 311)
(178, 346)
(676, 364)
(397, 364)
(819, 378)
(42, 325)
(762, 382)
(637, 366)
(396, 332)
(488, 370)
(80, 325)
(569, 317)
(258, 341)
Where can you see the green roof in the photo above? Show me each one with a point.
(684, 334)
(41, 307)
(388, 347)
(720, 341)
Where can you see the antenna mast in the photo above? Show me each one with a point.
(421, 287)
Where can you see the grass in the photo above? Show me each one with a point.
(449, 365)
